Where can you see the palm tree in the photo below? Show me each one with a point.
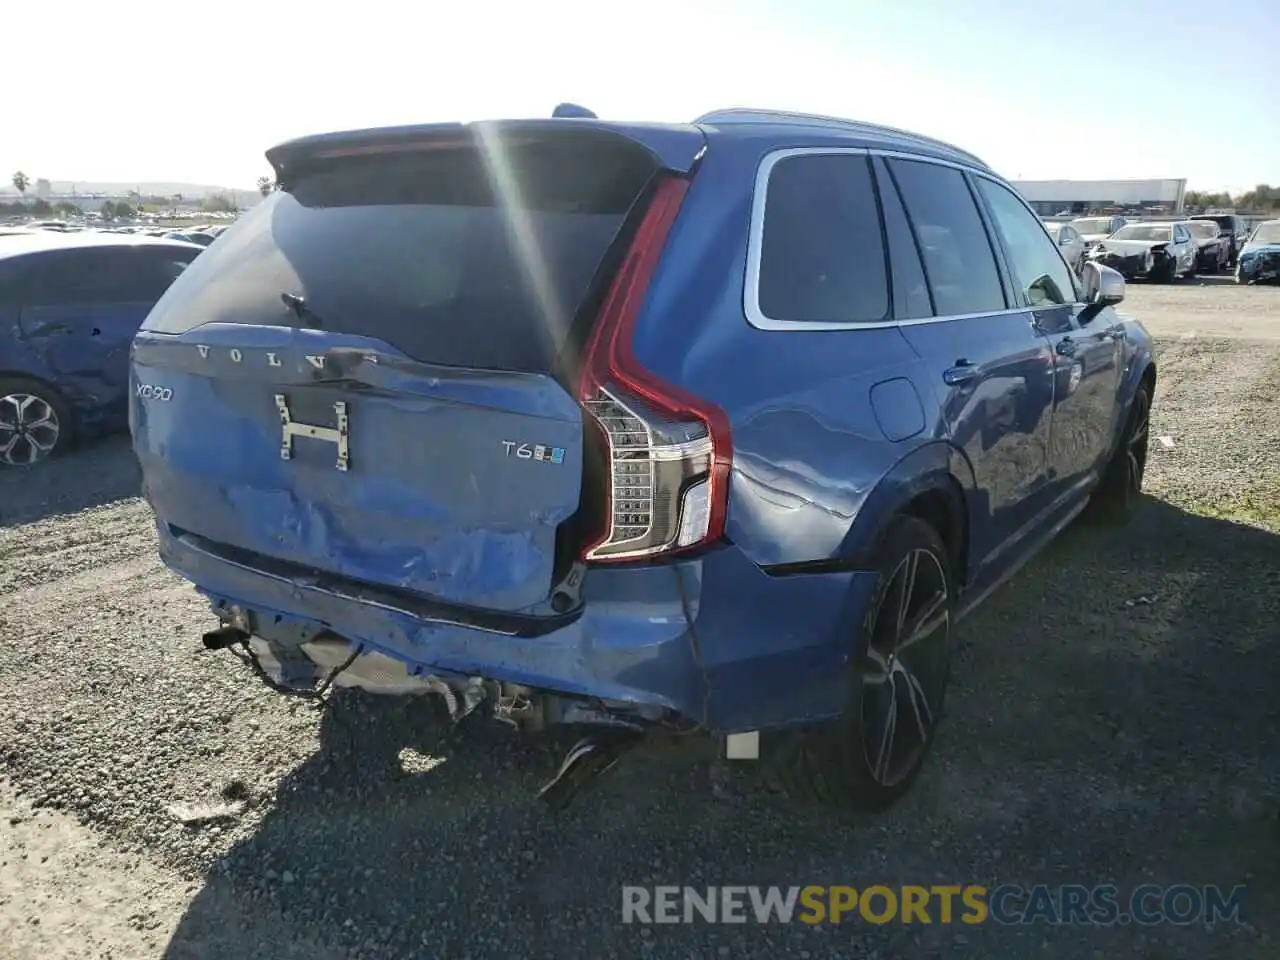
(265, 185)
(21, 181)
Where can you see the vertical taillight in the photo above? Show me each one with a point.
(669, 452)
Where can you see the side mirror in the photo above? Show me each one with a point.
(1103, 287)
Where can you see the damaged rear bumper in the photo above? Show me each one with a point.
(754, 651)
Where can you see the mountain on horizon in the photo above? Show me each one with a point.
(148, 188)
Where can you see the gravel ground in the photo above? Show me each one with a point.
(1114, 718)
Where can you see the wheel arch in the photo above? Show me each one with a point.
(935, 483)
(34, 378)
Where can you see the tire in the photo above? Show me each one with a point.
(1120, 492)
(35, 422)
(842, 763)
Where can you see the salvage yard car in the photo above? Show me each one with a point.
(593, 423)
(1156, 251)
(1233, 231)
(70, 304)
(1070, 242)
(1093, 230)
(1260, 256)
(1213, 250)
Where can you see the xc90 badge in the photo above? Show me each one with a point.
(147, 391)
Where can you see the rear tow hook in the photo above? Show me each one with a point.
(590, 758)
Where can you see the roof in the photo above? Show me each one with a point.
(39, 241)
(855, 132)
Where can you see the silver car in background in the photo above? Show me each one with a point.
(1069, 242)
(1093, 230)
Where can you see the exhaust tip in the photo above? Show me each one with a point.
(224, 637)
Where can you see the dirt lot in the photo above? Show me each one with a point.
(1114, 718)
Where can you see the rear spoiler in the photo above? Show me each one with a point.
(674, 147)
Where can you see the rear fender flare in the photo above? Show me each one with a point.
(59, 389)
(934, 467)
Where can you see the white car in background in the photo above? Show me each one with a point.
(1069, 242)
(1093, 230)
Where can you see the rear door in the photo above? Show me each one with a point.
(993, 368)
(1086, 355)
(370, 374)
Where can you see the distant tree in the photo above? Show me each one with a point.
(41, 207)
(108, 210)
(1202, 199)
(265, 185)
(68, 209)
(125, 211)
(218, 203)
(1263, 197)
(21, 181)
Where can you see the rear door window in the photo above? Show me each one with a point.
(958, 259)
(462, 256)
(822, 252)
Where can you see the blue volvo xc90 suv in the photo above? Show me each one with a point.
(716, 426)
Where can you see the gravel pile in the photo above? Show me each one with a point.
(1114, 717)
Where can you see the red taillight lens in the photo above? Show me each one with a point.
(669, 452)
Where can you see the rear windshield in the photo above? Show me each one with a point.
(460, 256)
(1093, 226)
(1226, 223)
(1138, 231)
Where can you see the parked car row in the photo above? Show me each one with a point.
(1167, 250)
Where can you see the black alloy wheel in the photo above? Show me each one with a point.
(1120, 491)
(900, 667)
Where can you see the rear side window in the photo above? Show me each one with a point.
(958, 260)
(822, 255)
(111, 275)
(910, 289)
(465, 256)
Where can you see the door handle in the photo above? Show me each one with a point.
(962, 372)
(1066, 347)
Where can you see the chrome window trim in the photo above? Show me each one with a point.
(755, 240)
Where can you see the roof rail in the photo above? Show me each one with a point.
(753, 115)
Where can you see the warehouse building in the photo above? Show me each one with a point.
(1053, 197)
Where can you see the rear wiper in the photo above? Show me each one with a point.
(300, 310)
